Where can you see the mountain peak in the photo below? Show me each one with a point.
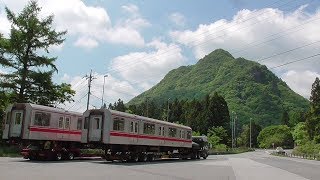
(250, 89)
(218, 55)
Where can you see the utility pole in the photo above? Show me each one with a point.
(104, 81)
(168, 111)
(90, 78)
(250, 132)
(232, 129)
(147, 106)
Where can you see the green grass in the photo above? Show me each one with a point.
(9, 151)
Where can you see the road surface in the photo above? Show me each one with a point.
(257, 165)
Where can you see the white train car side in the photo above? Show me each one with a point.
(27, 123)
(131, 137)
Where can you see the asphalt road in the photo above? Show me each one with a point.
(257, 165)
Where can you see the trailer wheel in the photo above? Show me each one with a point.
(58, 156)
(70, 156)
(151, 157)
(143, 158)
(135, 158)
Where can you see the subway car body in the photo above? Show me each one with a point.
(48, 133)
(129, 137)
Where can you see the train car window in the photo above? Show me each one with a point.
(149, 128)
(136, 127)
(42, 119)
(96, 123)
(18, 118)
(183, 135)
(118, 124)
(189, 135)
(160, 130)
(163, 132)
(67, 123)
(8, 118)
(79, 123)
(172, 132)
(86, 122)
(60, 123)
(131, 126)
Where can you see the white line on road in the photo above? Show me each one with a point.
(247, 169)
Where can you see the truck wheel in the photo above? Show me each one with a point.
(70, 156)
(205, 156)
(58, 156)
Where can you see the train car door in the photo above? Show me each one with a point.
(84, 130)
(162, 134)
(61, 127)
(134, 129)
(66, 134)
(95, 128)
(5, 134)
(16, 123)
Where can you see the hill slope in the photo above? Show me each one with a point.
(250, 89)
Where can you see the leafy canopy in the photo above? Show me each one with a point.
(24, 55)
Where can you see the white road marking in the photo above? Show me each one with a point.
(247, 169)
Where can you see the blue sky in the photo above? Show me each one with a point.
(137, 42)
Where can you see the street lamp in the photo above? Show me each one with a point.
(250, 132)
(104, 81)
(168, 111)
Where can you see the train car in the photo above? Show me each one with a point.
(49, 133)
(129, 137)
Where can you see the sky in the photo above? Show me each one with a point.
(131, 45)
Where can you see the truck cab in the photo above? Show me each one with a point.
(201, 146)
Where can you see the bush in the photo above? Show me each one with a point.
(308, 148)
(279, 135)
(9, 151)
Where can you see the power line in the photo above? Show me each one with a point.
(77, 101)
(302, 59)
(207, 40)
(287, 51)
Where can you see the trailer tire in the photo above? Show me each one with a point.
(143, 157)
(70, 156)
(58, 156)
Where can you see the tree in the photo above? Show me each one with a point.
(279, 135)
(285, 118)
(29, 36)
(313, 116)
(300, 134)
(217, 135)
(119, 106)
(315, 97)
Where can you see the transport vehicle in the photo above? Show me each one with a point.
(129, 137)
(54, 134)
(45, 132)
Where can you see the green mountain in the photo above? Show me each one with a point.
(250, 89)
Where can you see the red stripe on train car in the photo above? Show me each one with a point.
(50, 130)
(140, 136)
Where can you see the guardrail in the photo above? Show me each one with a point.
(298, 155)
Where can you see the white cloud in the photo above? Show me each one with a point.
(144, 69)
(178, 19)
(86, 42)
(244, 34)
(249, 34)
(90, 24)
(300, 81)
